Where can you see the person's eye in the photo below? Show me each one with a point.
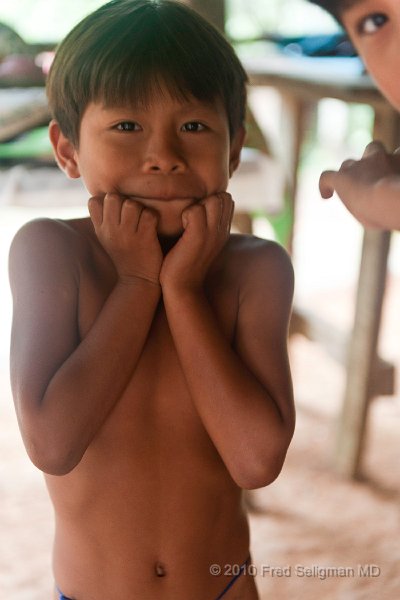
(193, 127)
(127, 126)
(372, 23)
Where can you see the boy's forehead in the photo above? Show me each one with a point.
(179, 103)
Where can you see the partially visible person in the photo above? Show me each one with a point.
(370, 187)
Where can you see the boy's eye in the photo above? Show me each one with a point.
(193, 127)
(372, 23)
(127, 126)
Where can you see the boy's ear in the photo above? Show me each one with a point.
(64, 151)
(236, 147)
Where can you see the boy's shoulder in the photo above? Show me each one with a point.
(54, 246)
(249, 255)
(50, 234)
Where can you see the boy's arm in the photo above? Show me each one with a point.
(369, 188)
(64, 388)
(243, 394)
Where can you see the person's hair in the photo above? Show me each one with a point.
(128, 50)
(334, 7)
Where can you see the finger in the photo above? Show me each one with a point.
(95, 206)
(112, 207)
(374, 147)
(227, 211)
(327, 184)
(213, 206)
(194, 216)
(148, 220)
(231, 216)
(397, 151)
(131, 211)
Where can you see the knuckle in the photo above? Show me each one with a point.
(347, 164)
(148, 215)
(195, 209)
(225, 196)
(95, 202)
(95, 199)
(131, 206)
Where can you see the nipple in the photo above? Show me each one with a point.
(160, 569)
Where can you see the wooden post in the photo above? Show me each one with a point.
(295, 111)
(212, 10)
(362, 353)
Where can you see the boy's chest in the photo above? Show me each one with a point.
(157, 398)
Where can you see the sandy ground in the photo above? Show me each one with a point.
(309, 518)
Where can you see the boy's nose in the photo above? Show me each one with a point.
(163, 157)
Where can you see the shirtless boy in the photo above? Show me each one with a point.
(149, 360)
(370, 187)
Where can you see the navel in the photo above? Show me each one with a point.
(160, 569)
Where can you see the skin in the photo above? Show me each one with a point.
(160, 386)
(369, 187)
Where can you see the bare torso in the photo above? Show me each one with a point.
(151, 506)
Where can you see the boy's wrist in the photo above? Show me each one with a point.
(181, 292)
(139, 279)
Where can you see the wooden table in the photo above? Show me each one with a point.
(301, 82)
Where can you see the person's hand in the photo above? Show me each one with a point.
(361, 184)
(206, 231)
(128, 233)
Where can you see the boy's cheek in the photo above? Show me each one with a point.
(383, 67)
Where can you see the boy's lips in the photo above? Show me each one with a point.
(161, 202)
(163, 198)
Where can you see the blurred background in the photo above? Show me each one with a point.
(330, 507)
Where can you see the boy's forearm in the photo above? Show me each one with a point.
(87, 386)
(242, 419)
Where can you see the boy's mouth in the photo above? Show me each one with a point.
(165, 202)
(163, 198)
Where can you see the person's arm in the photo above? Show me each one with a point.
(243, 394)
(369, 188)
(64, 388)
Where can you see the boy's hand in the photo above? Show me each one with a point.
(362, 185)
(206, 231)
(128, 233)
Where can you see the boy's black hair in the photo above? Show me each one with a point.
(128, 50)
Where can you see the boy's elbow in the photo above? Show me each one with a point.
(56, 465)
(262, 470)
(49, 458)
(253, 479)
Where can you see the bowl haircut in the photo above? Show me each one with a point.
(129, 51)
